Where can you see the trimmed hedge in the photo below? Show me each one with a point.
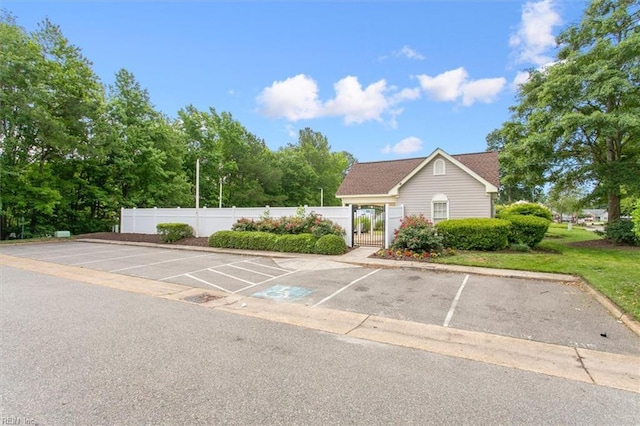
(474, 233)
(331, 244)
(298, 243)
(525, 209)
(172, 232)
(243, 240)
(529, 230)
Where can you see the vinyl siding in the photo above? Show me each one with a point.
(467, 197)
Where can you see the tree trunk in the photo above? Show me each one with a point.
(613, 207)
(613, 196)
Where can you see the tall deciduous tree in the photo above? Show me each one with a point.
(578, 120)
(229, 155)
(50, 105)
(311, 170)
(144, 151)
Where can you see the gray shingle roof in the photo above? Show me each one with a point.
(379, 177)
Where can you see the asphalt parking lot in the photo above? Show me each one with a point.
(543, 311)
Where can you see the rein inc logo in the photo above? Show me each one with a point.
(14, 420)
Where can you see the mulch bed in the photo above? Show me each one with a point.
(144, 238)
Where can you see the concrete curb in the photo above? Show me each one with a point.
(612, 370)
(365, 261)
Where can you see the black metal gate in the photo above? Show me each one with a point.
(368, 226)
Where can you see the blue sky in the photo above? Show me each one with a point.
(381, 79)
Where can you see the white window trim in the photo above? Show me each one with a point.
(439, 198)
(439, 161)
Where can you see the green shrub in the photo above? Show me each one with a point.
(474, 233)
(621, 232)
(312, 223)
(529, 230)
(416, 233)
(222, 239)
(331, 244)
(243, 240)
(244, 224)
(525, 209)
(172, 232)
(379, 226)
(299, 243)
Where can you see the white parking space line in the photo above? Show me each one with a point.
(229, 276)
(158, 263)
(345, 287)
(267, 266)
(251, 270)
(265, 281)
(207, 283)
(200, 270)
(84, 253)
(447, 320)
(112, 258)
(26, 251)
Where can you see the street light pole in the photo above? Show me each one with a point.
(321, 197)
(197, 197)
(220, 195)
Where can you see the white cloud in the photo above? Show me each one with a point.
(534, 36)
(484, 90)
(405, 95)
(455, 85)
(355, 104)
(520, 78)
(445, 86)
(295, 98)
(405, 146)
(409, 53)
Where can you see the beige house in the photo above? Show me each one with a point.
(440, 186)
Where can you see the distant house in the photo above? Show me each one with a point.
(440, 186)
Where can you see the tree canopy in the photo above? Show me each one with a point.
(577, 121)
(73, 152)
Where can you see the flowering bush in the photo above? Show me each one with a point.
(312, 223)
(417, 235)
(420, 256)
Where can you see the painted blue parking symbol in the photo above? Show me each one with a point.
(284, 293)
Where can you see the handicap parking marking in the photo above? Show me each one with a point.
(244, 267)
(281, 293)
(207, 283)
(200, 270)
(251, 270)
(265, 281)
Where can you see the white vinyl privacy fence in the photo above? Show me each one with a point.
(392, 218)
(207, 221)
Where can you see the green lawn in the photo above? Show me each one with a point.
(613, 271)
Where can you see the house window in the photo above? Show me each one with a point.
(438, 167)
(439, 208)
